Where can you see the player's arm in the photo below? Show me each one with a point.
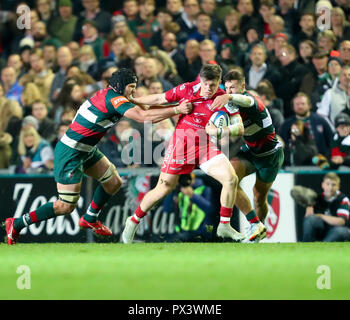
(157, 114)
(236, 128)
(153, 99)
(236, 98)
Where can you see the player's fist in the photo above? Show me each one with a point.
(185, 107)
(220, 101)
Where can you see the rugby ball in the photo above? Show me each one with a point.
(220, 119)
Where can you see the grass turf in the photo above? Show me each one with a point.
(215, 271)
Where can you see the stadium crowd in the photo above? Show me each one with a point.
(294, 54)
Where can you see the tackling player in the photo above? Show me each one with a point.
(76, 154)
(191, 147)
(262, 152)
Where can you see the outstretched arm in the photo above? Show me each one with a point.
(157, 114)
(153, 99)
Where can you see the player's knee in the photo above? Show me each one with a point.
(230, 181)
(63, 208)
(113, 185)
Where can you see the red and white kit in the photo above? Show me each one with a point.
(190, 146)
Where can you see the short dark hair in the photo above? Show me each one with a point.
(234, 75)
(211, 72)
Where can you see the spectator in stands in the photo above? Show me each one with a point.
(203, 29)
(275, 105)
(248, 17)
(68, 114)
(164, 17)
(39, 74)
(175, 7)
(62, 128)
(62, 26)
(267, 10)
(207, 52)
(344, 51)
(2, 92)
(11, 86)
(209, 7)
(91, 37)
(87, 61)
(336, 99)
(319, 128)
(138, 66)
(339, 25)
(64, 60)
(292, 74)
(167, 68)
(259, 69)
(226, 57)
(170, 46)
(276, 24)
(41, 37)
(289, 15)
(5, 150)
(93, 12)
(130, 9)
(44, 10)
(187, 19)
(317, 73)
(14, 60)
(30, 94)
(150, 71)
(326, 40)
(47, 127)
(50, 57)
(306, 51)
(340, 152)
(308, 29)
(132, 51)
(193, 64)
(145, 24)
(74, 50)
(155, 87)
(326, 220)
(117, 53)
(231, 29)
(36, 153)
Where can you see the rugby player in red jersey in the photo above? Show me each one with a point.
(76, 154)
(191, 147)
(262, 152)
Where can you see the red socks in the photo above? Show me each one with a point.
(138, 215)
(225, 215)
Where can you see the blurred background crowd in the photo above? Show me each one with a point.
(295, 54)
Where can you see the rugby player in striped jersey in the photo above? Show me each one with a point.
(262, 152)
(76, 154)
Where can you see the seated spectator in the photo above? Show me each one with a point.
(30, 94)
(36, 153)
(187, 19)
(145, 23)
(326, 220)
(164, 17)
(167, 67)
(226, 57)
(150, 71)
(155, 87)
(91, 37)
(5, 150)
(39, 75)
(203, 29)
(47, 127)
(276, 24)
(319, 128)
(49, 55)
(64, 60)
(275, 105)
(92, 11)
(326, 41)
(344, 52)
(267, 10)
(306, 51)
(88, 62)
(193, 61)
(74, 50)
(340, 25)
(340, 152)
(248, 17)
(259, 69)
(336, 99)
(207, 53)
(68, 114)
(289, 15)
(292, 74)
(15, 61)
(175, 8)
(132, 51)
(194, 203)
(231, 28)
(44, 9)
(130, 9)
(316, 75)
(308, 30)
(170, 46)
(41, 37)
(62, 26)
(62, 128)
(11, 86)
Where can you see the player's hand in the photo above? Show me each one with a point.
(185, 107)
(211, 129)
(220, 101)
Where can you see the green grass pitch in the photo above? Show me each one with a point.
(176, 271)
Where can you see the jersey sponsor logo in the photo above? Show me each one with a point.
(273, 216)
(118, 101)
(193, 124)
(197, 120)
(199, 114)
(182, 87)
